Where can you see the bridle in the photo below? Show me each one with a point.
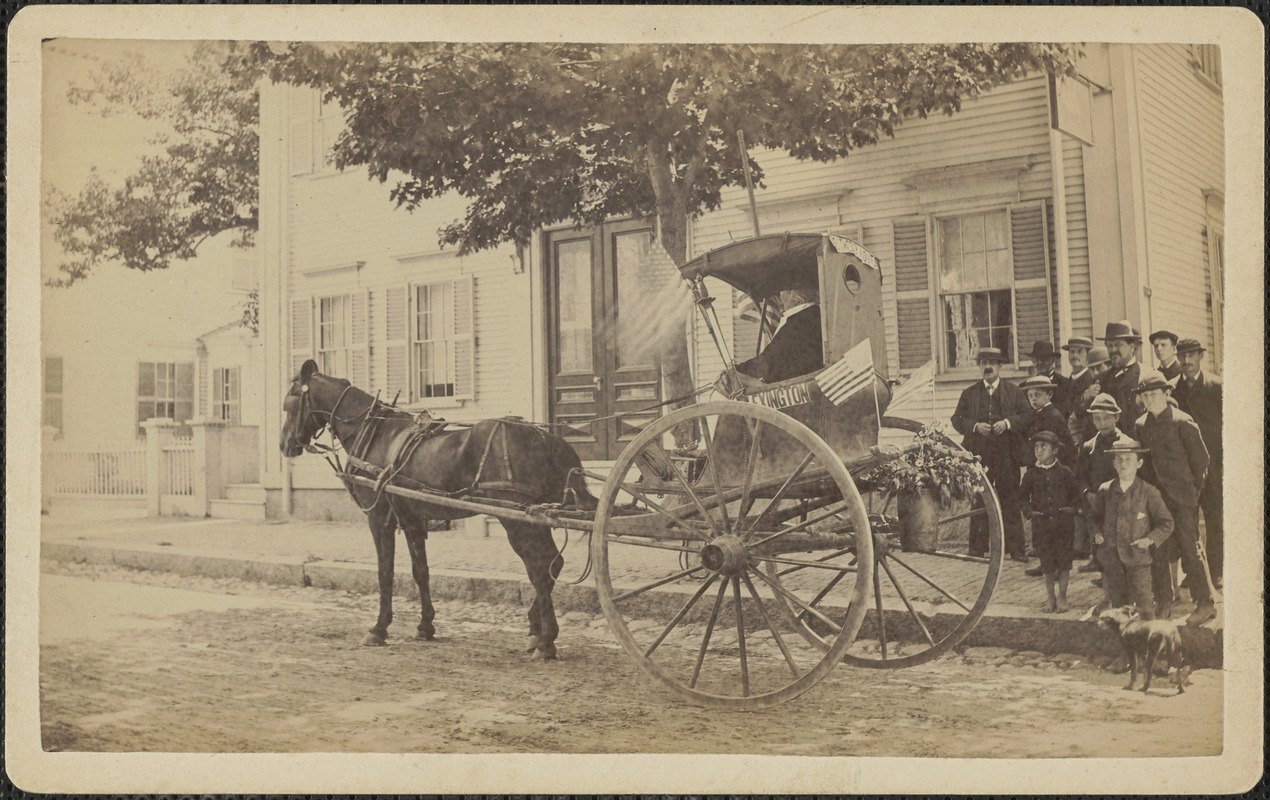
(306, 410)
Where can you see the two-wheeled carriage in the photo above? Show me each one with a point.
(739, 564)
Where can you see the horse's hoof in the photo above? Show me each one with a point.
(425, 637)
(533, 645)
(374, 640)
(545, 653)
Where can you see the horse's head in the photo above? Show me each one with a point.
(303, 420)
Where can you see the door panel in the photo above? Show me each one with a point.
(599, 362)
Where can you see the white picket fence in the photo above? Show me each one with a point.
(176, 468)
(119, 473)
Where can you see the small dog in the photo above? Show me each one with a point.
(1145, 640)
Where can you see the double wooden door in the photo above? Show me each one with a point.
(600, 362)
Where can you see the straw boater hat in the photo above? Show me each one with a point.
(1045, 436)
(1105, 402)
(1042, 349)
(1153, 380)
(1190, 346)
(1121, 330)
(1038, 382)
(1079, 341)
(990, 354)
(1097, 355)
(1126, 445)
(1170, 335)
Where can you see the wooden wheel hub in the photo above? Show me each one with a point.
(725, 555)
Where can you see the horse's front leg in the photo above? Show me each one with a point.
(383, 528)
(536, 548)
(417, 541)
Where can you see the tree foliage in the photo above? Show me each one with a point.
(202, 183)
(536, 134)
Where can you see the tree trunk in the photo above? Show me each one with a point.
(676, 370)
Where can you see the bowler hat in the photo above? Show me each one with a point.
(1098, 355)
(1045, 436)
(1042, 349)
(1190, 346)
(1152, 380)
(1105, 402)
(1078, 341)
(1038, 382)
(1124, 444)
(1121, 330)
(990, 354)
(1170, 335)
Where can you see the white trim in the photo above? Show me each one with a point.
(328, 270)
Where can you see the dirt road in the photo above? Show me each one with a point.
(144, 661)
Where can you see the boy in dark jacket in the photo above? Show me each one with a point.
(1050, 497)
(1129, 517)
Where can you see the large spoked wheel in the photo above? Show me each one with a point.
(706, 530)
(924, 603)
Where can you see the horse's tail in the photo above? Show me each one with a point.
(566, 463)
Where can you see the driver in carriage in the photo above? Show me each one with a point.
(795, 349)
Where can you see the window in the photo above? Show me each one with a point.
(53, 393)
(315, 125)
(165, 390)
(1214, 237)
(968, 281)
(1206, 59)
(226, 404)
(975, 277)
(332, 340)
(441, 340)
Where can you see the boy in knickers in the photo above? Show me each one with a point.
(1050, 496)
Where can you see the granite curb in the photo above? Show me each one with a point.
(1012, 635)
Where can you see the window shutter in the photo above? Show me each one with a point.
(202, 387)
(301, 131)
(301, 333)
(184, 391)
(912, 291)
(464, 338)
(359, 340)
(1033, 294)
(396, 354)
(218, 394)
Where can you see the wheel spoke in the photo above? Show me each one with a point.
(933, 585)
(822, 559)
(780, 494)
(828, 587)
(780, 642)
(705, 640)
(655, 544)
(740, 636)
(659, 582)
(798, 601)
(680, 615)
(958, 556)
(802, 526)
(696, 501)
(911, 611)
(755, 434)
(653, 504)
(877, 603)
(801, 564)
(714, 476)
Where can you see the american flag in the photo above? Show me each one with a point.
(848, 375)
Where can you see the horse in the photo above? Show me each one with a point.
(526, 465)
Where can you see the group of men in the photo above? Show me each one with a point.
(1173, 415)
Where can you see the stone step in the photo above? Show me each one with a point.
(237, 509)
(250, 492)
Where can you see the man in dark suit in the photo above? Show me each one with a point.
(1082, 378)
(796, 348)
(1164, 343)
(1200, 395)
(1179, 463)
(1121, 379)
(982, 418)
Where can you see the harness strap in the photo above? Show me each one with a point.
(480, 468)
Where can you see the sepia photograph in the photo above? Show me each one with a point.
(773, 400)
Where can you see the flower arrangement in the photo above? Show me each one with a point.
(929, 463)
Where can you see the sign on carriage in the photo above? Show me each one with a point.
(844, 245)
(848, 375)
(785, 396)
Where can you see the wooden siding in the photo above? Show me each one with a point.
(1182, 141)
(346, 236)
(868, 189)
